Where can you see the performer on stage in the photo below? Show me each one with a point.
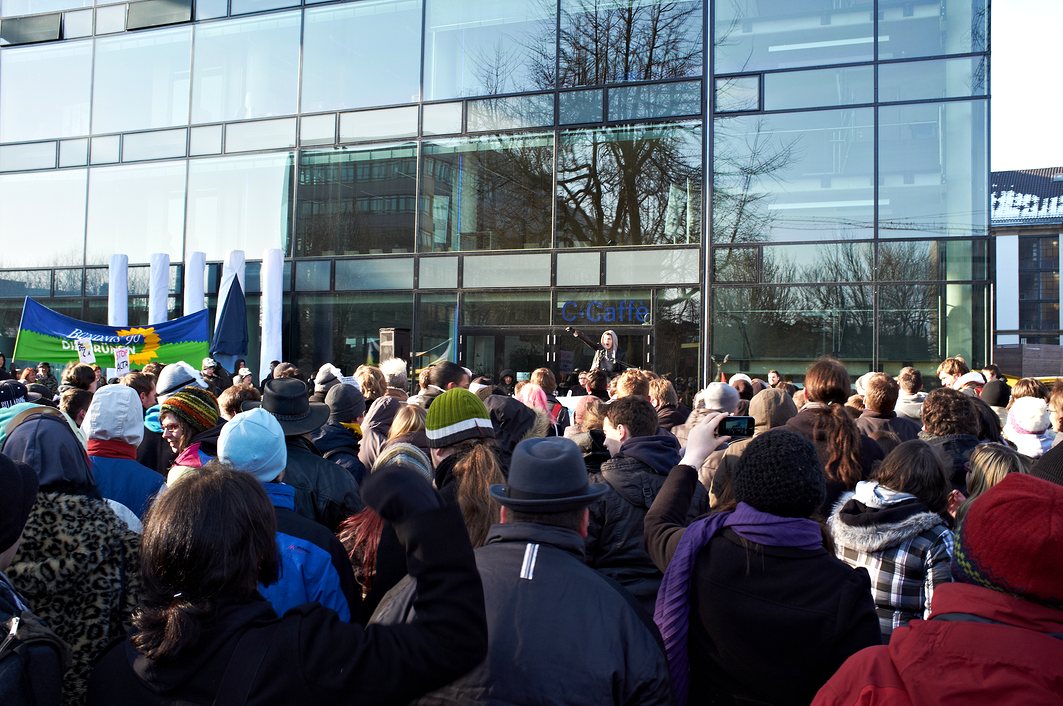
(606, 351)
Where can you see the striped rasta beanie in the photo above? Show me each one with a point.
(455, 416)
(193, 405)
(1011, 540)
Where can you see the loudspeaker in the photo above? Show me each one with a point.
(394, 343)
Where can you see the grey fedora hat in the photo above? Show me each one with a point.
(547, 475)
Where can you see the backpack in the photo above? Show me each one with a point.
(32, 657)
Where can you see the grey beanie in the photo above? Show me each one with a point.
(780, 473)
(346, 403)
(328, 376)
(720, 397)
(176, 376)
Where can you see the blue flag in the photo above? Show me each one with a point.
(230, 335)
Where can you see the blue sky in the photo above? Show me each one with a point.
(1027, 100)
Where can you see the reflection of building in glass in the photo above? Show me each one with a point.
(467, 169)
(1027, 221)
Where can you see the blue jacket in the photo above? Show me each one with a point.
(314, 568)
(126, 481)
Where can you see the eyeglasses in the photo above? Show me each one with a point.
(171, 428)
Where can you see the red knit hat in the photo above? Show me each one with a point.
(1012, 540)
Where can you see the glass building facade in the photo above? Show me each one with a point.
(772, 181)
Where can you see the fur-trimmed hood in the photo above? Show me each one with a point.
(864, 527)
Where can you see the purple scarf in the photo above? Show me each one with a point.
(672, 612)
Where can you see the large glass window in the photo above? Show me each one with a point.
(356, 201)
(13, 8)
(506, 309)
(677, 338)
(344, 329)
(44, 91)
(341, 42)
(43, 215)
(909, 28)
(792, 323)
(823, 87)
(136, 210)
(141, 80)
(753, 36)
(933, 177)
(487, 193)
(794, 176)
(930, 80)
(919, 324)
(637, 185)
(486, 47)
(246, 68)
(239, 203)
(648, 40)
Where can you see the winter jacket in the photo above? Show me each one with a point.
(513, 422)
(375, 428)
(980, 647)
(592, 444)
(869, 452)
(615, 544)
(906, 549)
(1029, 444)
(545, 613)
(672, 415)
(769, 625)
(310, 656)
(324, 492)
(32, 664)
(870, 422)
(911, 406)
(78, 566)
(559, 416)
(339, 444)
(201, 450)
(126, 481)
(313, 565)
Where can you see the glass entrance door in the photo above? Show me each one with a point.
(487, 352)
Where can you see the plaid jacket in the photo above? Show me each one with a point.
(905, 548)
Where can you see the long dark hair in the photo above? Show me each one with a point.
(211, 537)
(476, 470)
(827, 382)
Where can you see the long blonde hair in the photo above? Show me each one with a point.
(408, 420)
(476, 470)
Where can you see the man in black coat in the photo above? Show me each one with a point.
(559, 632)
(641, 459)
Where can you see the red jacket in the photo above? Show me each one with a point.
(1015, 659)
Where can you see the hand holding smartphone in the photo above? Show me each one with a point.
(736, 427)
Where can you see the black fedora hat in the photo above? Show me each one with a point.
(288, 400)
(547, 475)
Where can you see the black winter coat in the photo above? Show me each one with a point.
(338, 444)
(560, 633)
(324, 491)
(309, 657)
(769, 625)
(615, 543)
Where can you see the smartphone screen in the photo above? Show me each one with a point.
(736, 427)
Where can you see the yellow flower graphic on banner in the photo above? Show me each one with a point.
(149, 347)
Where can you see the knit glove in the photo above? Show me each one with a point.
(702, 440)
(399, 493)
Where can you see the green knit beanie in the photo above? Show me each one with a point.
(455, 416)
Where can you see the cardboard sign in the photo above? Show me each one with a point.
(121, 361)
(85, 354)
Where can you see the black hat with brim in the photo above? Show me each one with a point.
(547, 476)
(287, 399)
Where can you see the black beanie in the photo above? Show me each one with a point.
(781, 474)
(18, 492)
(346, 403)
(1050, 466)
(996, 393)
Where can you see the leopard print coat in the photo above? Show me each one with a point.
(77, 568)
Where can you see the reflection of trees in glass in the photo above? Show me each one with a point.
(629, 186)
(487, 193)
(607, 41)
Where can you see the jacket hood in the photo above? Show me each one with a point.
(208, 439)
(660, 452)
(333, 435)
(864, 527)
(512, 420)
(381, 414)
(151, 420)
(47, 444)
(166, 675)
(115, 413)
(771, 408)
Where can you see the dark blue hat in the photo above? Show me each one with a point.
(547, 475)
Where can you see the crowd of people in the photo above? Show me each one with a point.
(183, 535)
